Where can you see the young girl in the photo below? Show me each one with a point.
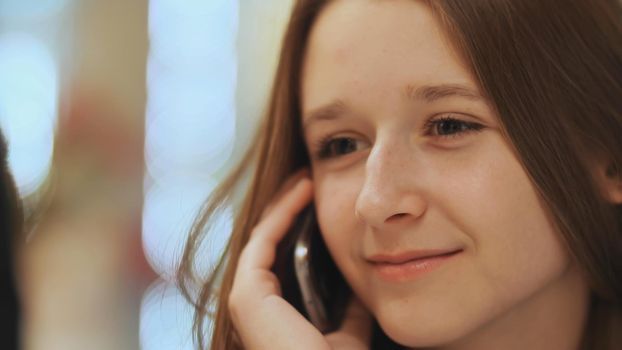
(464, 162)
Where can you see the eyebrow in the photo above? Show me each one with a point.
(431, 93)
(426, 93)
(327, 112)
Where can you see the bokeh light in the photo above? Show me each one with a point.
(28, 107)
(165, 317)
(24, 10)
(192, 32)
(168, 215)
(189, 138)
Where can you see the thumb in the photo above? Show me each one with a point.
(355, 331)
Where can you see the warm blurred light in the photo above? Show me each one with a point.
(21, 9)
(165, 317)
(28, 107)
(190, 130)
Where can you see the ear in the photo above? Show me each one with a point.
(609, 179)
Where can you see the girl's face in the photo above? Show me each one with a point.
(407, 156)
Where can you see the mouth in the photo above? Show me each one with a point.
(410, 265)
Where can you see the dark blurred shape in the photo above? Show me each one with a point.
(10, 227)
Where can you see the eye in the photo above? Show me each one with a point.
(332, 147)
(449, 126)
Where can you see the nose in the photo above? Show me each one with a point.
(391, 195)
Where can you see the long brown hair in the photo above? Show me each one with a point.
(553, 72)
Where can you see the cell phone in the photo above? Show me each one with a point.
(309, 278)
(311, 297)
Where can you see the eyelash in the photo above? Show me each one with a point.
(468, 126)
(323, 146)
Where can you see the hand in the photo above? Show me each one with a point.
(263, 319)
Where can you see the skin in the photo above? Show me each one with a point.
(398, 178)
(262, 318)
(390, 183)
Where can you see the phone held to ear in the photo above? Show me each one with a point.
(311, 299)
(321, 292)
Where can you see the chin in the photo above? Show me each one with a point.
(404, 328)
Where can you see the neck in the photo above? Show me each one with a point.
(553, 319)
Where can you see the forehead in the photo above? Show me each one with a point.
(370, 50)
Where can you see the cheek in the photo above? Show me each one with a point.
(515, 244)
(512, 250)
(335, 196)
(525, 250)
(331, 196)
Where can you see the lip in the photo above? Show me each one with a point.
(410, 265)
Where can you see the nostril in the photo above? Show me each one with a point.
(396, 217)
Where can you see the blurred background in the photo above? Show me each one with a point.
(121, 117)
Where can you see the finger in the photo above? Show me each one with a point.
(355, 331)
(275, 324)
(261, 248)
